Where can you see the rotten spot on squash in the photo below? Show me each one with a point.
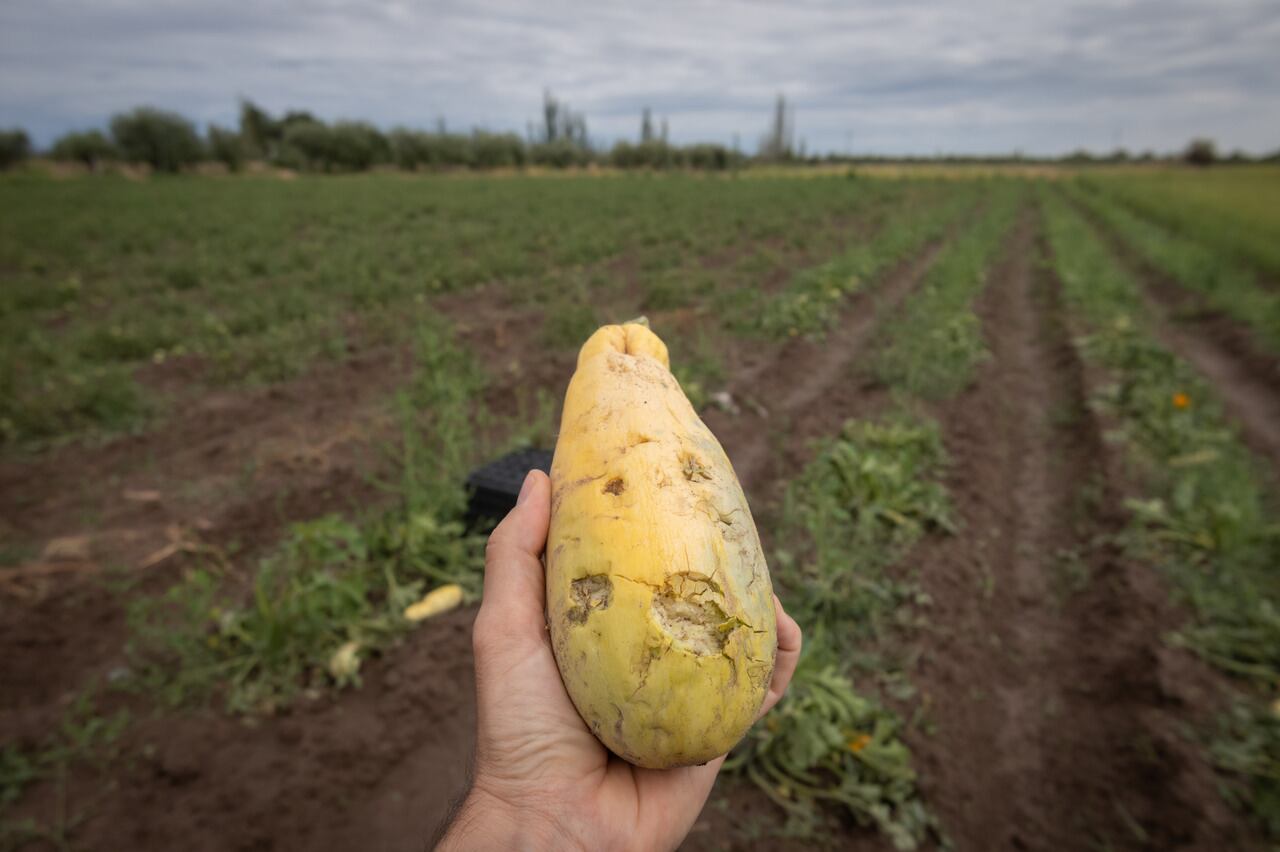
(615, 486)
(591, 593)
(694, 469)
(689, 610)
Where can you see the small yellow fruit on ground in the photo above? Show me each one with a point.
(435, 602)
(658, 597)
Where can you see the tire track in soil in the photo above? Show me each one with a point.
(1244, 377)
(1042, 666)
(805, 390)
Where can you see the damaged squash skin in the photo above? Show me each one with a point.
(658, 598)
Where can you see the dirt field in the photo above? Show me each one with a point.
(1030, 656)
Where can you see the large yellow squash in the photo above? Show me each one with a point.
(658, 597)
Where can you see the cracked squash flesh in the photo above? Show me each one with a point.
(658, 597)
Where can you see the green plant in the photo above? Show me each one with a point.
(91, 148)
(257, 280)
(1247, 745)
(810, 302)
(163, 140)
(569, 321)
(825, 743)
(932, 347)
(1203, 514)
(333, 590)
(15, 146)
(1231, 212)
(82, 735)
(226, 147)
(1223, 284)
(696, 364)
(866, 497)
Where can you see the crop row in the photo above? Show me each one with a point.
(1225, 286)
(1201, 512)
(868, 496)
(810, 302)
(1223, 210)
(333, 581)
(250, 281)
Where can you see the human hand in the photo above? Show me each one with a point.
(542, 779)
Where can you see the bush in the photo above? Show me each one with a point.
(305, 145)
(164, 140)
(560, 154)
(226, 146)
(357, 146)
(710, 157)
(90, 148)
(496, 150)
(653, 154)
(345, 146)
(412, 149)
(1201, 152)
(15, 146)
(656, 154)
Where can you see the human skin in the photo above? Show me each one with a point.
(542, 779)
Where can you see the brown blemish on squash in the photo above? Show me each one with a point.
(615, 486)
(694, 469)
(635, 440)
(591, 593)
(558, 493)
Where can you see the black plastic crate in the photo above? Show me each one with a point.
(494, 487)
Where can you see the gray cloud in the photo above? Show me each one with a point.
(910, 77)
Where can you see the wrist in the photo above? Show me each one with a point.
(486, 821)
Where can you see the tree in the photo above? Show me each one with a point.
(646, 126)
(777, 143)
(15, 146)
(357, 145)
(1201, 152)
(226, 146)
(260, 133)
(164, 140)
(559, 123)
(91, 148)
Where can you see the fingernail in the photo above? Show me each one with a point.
(526, 489)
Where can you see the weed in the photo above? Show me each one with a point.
(331, 584)
(697, 366)
(865, 498)
(1247, 744)
(83, 736)
(827, 743)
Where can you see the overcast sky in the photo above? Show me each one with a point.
(893, 77)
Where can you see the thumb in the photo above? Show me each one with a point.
(514, 588)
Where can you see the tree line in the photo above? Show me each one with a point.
(168, 142)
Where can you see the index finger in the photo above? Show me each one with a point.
(790, 640)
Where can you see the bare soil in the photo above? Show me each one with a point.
(1044, 668)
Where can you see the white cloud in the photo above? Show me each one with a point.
(912, 76)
